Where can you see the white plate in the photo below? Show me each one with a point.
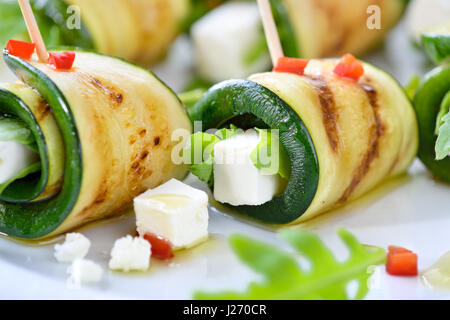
(412, 211)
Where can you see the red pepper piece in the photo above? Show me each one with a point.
(401, 262)
(349, 67)
(61, 60)
(21, 49)
(161, 248)
(291, 65)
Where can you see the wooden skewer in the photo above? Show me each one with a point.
(33, 30)
(270, 29)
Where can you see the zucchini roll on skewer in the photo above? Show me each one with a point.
(103, 134)
(342, 137)
(432, 104)
(307, 29)
(137, 30)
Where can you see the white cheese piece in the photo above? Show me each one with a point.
(84, 271)
(76, 246)
(130, 254)
(14, 158)
(423, 15)
(236, 180)
(175, 211)
(223, 38)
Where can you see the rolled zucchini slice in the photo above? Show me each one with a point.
(431, 98)
(330, 28)
(342, 137)
(103, 131)
(137, 30)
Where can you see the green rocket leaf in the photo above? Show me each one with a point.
(443, 129)
(285, 279)
(269, 155)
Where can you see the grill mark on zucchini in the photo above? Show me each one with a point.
(372, 153)
(114, 94)
(42, 110)
(328, 107)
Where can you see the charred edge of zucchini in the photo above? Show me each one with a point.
(29, 188)
(38, 219)
(235, 98)
(427, 101)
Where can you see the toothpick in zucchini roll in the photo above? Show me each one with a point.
(307, 29)
(137, 30)
(343, 127)
(101, 135)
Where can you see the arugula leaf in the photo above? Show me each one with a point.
(199, 152)
(263, 159)
(443, 129)
(285, 279)
(12, 129)
(35, 167)
(443, 140)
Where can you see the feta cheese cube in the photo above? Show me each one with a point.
(76, 246)
(84, 271)
(236, 180)
(14, 158)
(175, 211)
(130, 254)
(223, 38)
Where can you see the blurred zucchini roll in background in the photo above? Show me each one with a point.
(307, 28)
(137, 30)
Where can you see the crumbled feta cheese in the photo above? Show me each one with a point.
(76, 246)
(236, 180)
(14, 158)
(130, 254)
(224, 57)
(175, 211)
(84, 271)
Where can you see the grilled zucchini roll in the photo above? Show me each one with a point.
(328, 28)
(432, 104)
(103, 134)
(342, 137)
(137, 30)
(307, 29)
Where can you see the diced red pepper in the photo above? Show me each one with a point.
(349, 67)
(61, 60)
(401, 262)
(21, 49)
(395, 250)
(161, 248)
(291, 65)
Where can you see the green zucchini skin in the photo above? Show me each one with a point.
(285, 29)
(25, 190)
(234, 98)
(427, 101)
(37, 219)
